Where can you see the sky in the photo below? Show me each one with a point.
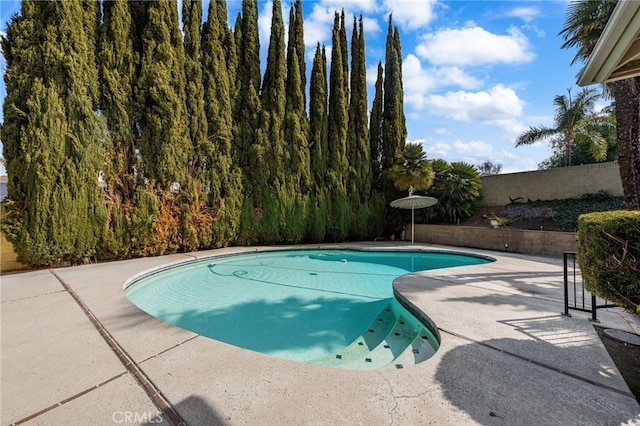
(476, 74)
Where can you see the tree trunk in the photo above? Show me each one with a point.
(627, 98)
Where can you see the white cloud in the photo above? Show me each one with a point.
(441, 132)
(318, 23)
(526, 13)
(411, 15)
(475, 152)
(474, 45)
(473, 149)
(357, 6)
(436, 150)
(487, 106)
(418, 81)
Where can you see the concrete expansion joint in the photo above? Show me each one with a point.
(34, 296)
(64, 401)
(154, 394)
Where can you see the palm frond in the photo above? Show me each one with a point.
(535, 134)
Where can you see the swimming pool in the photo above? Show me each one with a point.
(329, 307)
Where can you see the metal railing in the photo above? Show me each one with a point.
(573, 283)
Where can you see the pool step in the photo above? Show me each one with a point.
(379, 328)
(421, 348)
(394, 344)
(388, 343)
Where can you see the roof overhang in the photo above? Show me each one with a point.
(616, 55)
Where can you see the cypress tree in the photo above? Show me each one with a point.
(338, 228)
(78, 85)
(22, 51)
(296, 121)
(358, 140)
(54, 203)
(338, 116)
(197, 122)
(394, 130)
(223, 175)
(237, 42)
(273, 197)
(296, 42)
(249, 47)
(247, 106)
(318, 145)
(344, 54)
(358, 148)
(117, 67)
(273, 100)
(196, 220)
(400, 100)
(165, 144)
(249, 138)
(375, 132)
(230, 47)
(42, 238)
(296, 129)
(318, 130)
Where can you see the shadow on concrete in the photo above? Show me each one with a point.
(509, 381)
(196, 411)
(546, 284)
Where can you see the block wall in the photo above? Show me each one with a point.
(539, 243)
(8, 259)
(559, 183)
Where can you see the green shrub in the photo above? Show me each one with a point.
(609, 256)
(457, 188)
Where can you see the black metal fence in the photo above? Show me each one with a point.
(575, 295)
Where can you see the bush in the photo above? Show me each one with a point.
(457, 188)
(609, 256)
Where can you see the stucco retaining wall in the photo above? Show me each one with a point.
(552, 184)
(542, 243)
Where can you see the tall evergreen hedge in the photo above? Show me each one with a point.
(126, 135)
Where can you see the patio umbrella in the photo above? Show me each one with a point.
(413, 202)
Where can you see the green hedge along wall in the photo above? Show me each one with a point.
(609, 256)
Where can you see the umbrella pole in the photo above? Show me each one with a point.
(412, 225)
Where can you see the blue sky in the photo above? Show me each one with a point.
(476, 73)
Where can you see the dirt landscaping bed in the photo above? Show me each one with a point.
(552, 215)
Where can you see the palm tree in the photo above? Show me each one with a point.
(414, 171)
(583, 26)
(457, 187)
(575, 121)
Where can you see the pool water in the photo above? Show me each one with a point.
(330, 307)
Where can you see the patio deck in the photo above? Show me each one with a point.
(507, 356)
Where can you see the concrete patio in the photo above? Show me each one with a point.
(74, 350)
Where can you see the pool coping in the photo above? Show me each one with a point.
(506, 355)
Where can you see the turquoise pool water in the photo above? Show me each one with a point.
(332, 307)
